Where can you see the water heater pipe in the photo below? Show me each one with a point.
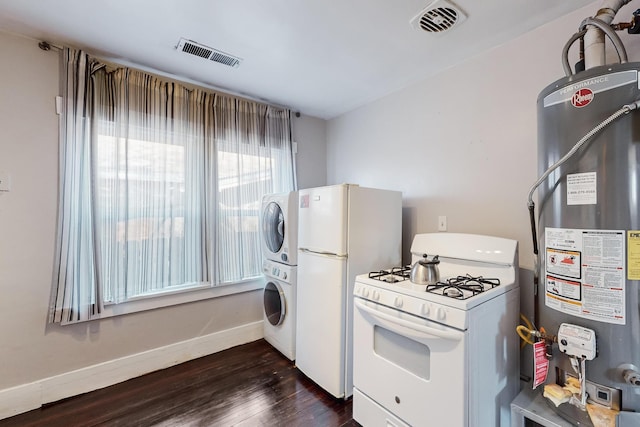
(594, 53)
(581, 34)
(606, 29)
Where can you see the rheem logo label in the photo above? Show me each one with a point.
(582, 98)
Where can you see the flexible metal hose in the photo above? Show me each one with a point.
(565, 52)
(606, 122)
(606, 28)
(527, 332)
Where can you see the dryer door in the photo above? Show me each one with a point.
(273, 227)
(274, 303)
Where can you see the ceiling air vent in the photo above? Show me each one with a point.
(206, 52)
(438, 17)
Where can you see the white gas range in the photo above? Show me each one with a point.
(439, 354)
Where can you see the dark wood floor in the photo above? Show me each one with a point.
(248, 385)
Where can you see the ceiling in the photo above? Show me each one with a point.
(321, 58)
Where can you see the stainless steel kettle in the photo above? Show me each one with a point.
(425, 271)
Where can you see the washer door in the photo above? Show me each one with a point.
(273, 227)
(274, 303)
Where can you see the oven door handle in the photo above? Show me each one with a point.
(423, 329)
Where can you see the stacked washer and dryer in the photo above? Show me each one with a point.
(279, 248)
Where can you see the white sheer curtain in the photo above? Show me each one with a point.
(160, 186)
(150, 184)
(254, 158)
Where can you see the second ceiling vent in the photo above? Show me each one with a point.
(206, 52)
(438, 17)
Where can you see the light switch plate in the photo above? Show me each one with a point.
(5, 181)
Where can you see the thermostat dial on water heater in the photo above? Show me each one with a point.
(577, 341)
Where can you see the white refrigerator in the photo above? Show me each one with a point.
(343, 230)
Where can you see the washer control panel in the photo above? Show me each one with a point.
(276, 270)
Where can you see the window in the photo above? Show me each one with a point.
(141, 204)
(160, 187)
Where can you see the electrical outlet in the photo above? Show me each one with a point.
(442, 223)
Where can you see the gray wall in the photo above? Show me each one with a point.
(463, 143)
(310, 134)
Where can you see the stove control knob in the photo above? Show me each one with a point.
(426, 309)
(397, 302)
(441, 313)
(376, 295)
(365, 292)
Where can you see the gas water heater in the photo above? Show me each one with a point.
(588, 235)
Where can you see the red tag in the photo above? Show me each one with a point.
(540, 363)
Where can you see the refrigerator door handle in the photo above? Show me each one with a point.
(322, 253)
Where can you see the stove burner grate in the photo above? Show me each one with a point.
(393, 275)
(455, 287)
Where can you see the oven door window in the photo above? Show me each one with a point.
(407, 353)
(414, 368)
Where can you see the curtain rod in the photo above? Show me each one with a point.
(46, 46)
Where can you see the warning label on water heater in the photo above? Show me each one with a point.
(585, 273)
(581, 189)
(633, 257)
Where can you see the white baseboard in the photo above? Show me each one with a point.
(30, 396)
